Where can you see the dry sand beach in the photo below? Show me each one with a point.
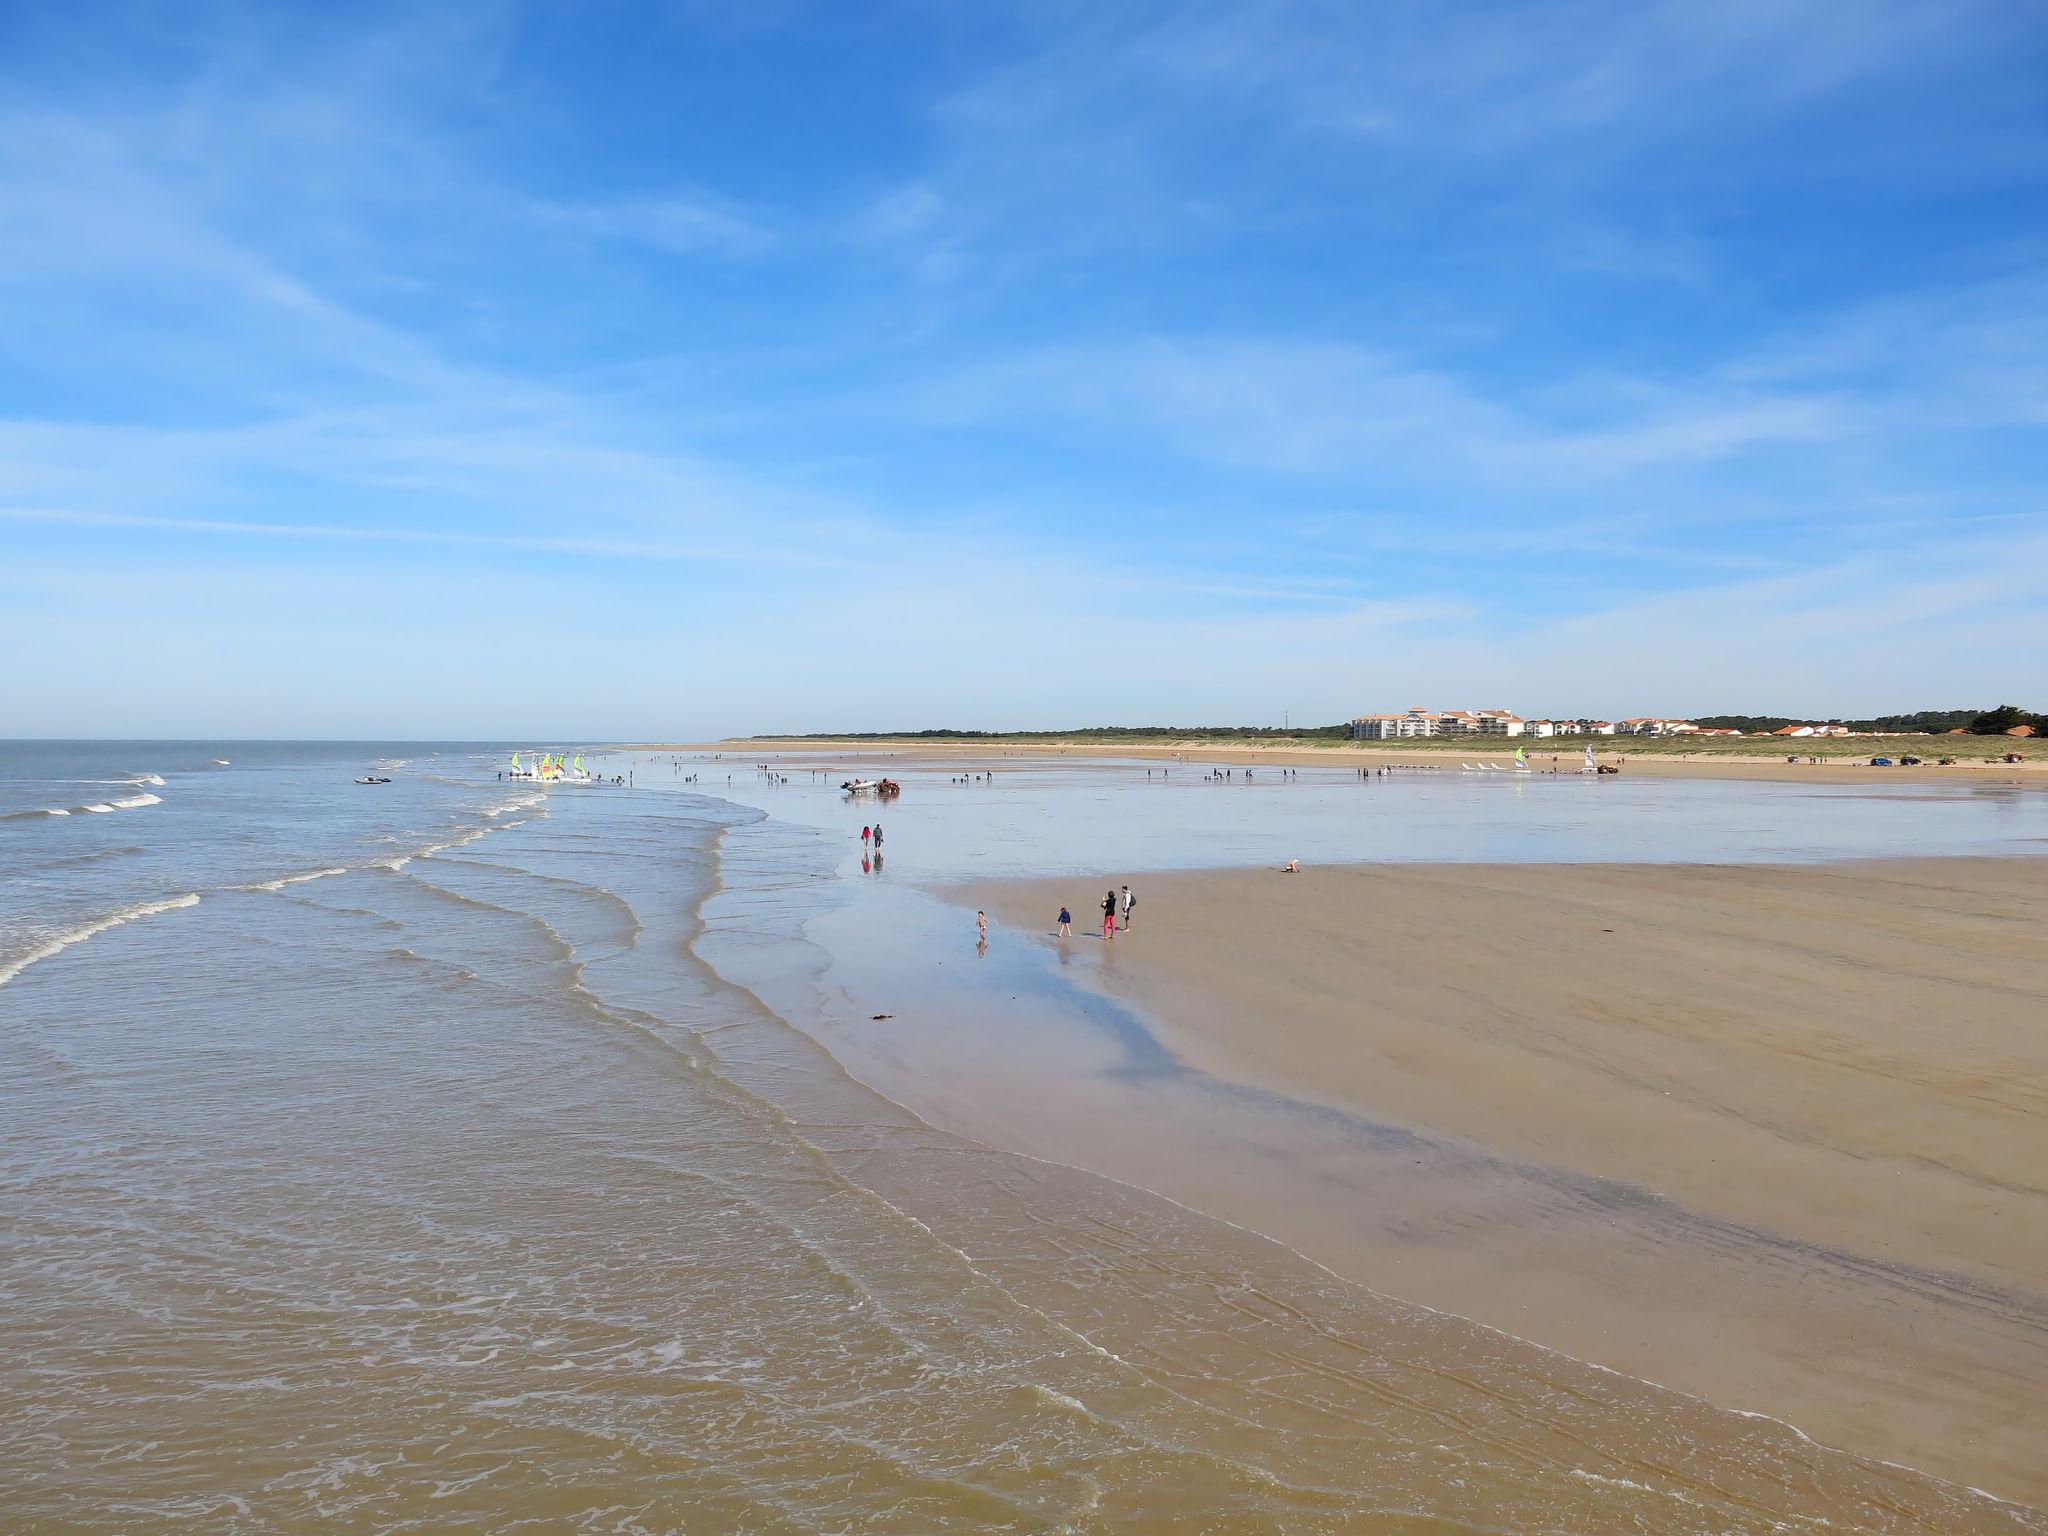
(1833, 1080)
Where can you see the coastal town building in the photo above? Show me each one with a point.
(1418, 721)
(1436, 722)
(1413, 722)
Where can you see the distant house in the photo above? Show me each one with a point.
(1794, 730)
(1600, 728)
(1539, 728)
(1499, 722)
(1717, 730)
(2020, 730)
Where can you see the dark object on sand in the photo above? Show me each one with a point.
(885, 789)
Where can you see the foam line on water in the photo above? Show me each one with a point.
(284, 880)
(12, 968)
(97, 808)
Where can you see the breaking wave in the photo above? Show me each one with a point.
(96, 808)
(284, 880)
(58, 943)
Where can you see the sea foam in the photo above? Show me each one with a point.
(9, 969)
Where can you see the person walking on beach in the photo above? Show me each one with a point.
(878, 837)
(863, 838)
(981, 927)
(1066, 923)
(1109, 914)
(1130, 901)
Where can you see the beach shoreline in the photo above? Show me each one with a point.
(1836, 767)
(1830, 1214)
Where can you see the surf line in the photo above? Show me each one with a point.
(56, 946)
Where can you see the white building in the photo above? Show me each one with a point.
(1375, 727)
(1505, 722)
(1414, 722)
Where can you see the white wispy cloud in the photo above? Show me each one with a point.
(685, 224)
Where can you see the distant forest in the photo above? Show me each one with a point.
(1981, 722)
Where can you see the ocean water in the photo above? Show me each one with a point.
(428, 1156)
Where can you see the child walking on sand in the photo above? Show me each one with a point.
(1109, 915)
(1066, 923)
(981, 926)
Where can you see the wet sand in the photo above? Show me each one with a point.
(1792, 1122)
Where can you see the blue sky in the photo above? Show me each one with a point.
(633, 370)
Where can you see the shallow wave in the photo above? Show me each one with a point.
(97, 808)
(284, 880)
(519, 804)
(9, 969)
